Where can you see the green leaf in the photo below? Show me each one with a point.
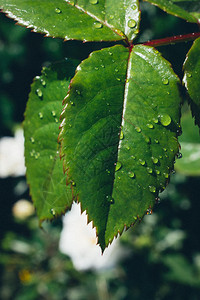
(188, 10)
(88, 20)
(189, 164)
(121, 113)
(192, 78)
(41, 127)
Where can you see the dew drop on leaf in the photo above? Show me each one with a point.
(32, 140)
(98, 25)
(157, 172)
(118, 166)
(39, 93)
(155, 160)
(165, 119)
(165, 81)
(189, 75)
(166, 175)
(147, 140)
(156, 141)
(43, 82)
(138, 129)
(40, 115)
(131, 23)
(53, 113)
(94, 1)
(149, 170)
(131, 174)
(58, 10)
(152, 189)
(73, 183)
(52, 211)
(142, 162)
(149, 125)
(155, 120)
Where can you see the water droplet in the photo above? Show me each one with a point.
(94, 1)
(150, 126)
(39, 93)
(110, 199)
(110, 53)
(156, 141)
(149, 211)
(37, 155)
(149, 170)
(166, 175)
(147, 140)
(121, 135)
(131, 174)
(132, 156)
(118, 79)
(78, 92)
(165, 149)
(102, 66)
(157, 172)
(165, 119)
(189, 75)
(52, 211)
(134, 6)
(51, 156)
(43, 82)
(155, 120)
(32, 153)
(72, 103)
(116, 70)
(73, 183)
(131, 23)
(40, 115)
(138, 129)
(165, 81)
(172, 150)
(111, 17)
(119, 177)
(53, 113)
(179, 155)
(98, 25)
(152, 189)
(118, 166)
(58, 10)
(32, 140)
(96, 68)
(155, 160)
(56, 120)
(142, 162)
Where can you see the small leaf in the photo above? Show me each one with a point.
(186, 9)
(192, 78)
(117, 179)
(88, 20)
(41, 127)
(189, 164)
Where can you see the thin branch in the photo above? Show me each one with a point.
(173, 40)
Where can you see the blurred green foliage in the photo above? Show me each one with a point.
(164, 259)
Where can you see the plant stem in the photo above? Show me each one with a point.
(172, 40)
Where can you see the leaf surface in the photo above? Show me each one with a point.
(41, 127)
(192, 78)
(88, 20)
(189, 164)
(188, 10)
(118, 135)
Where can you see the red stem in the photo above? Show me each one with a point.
(173, 39)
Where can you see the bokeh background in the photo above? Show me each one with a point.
(162, 259)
